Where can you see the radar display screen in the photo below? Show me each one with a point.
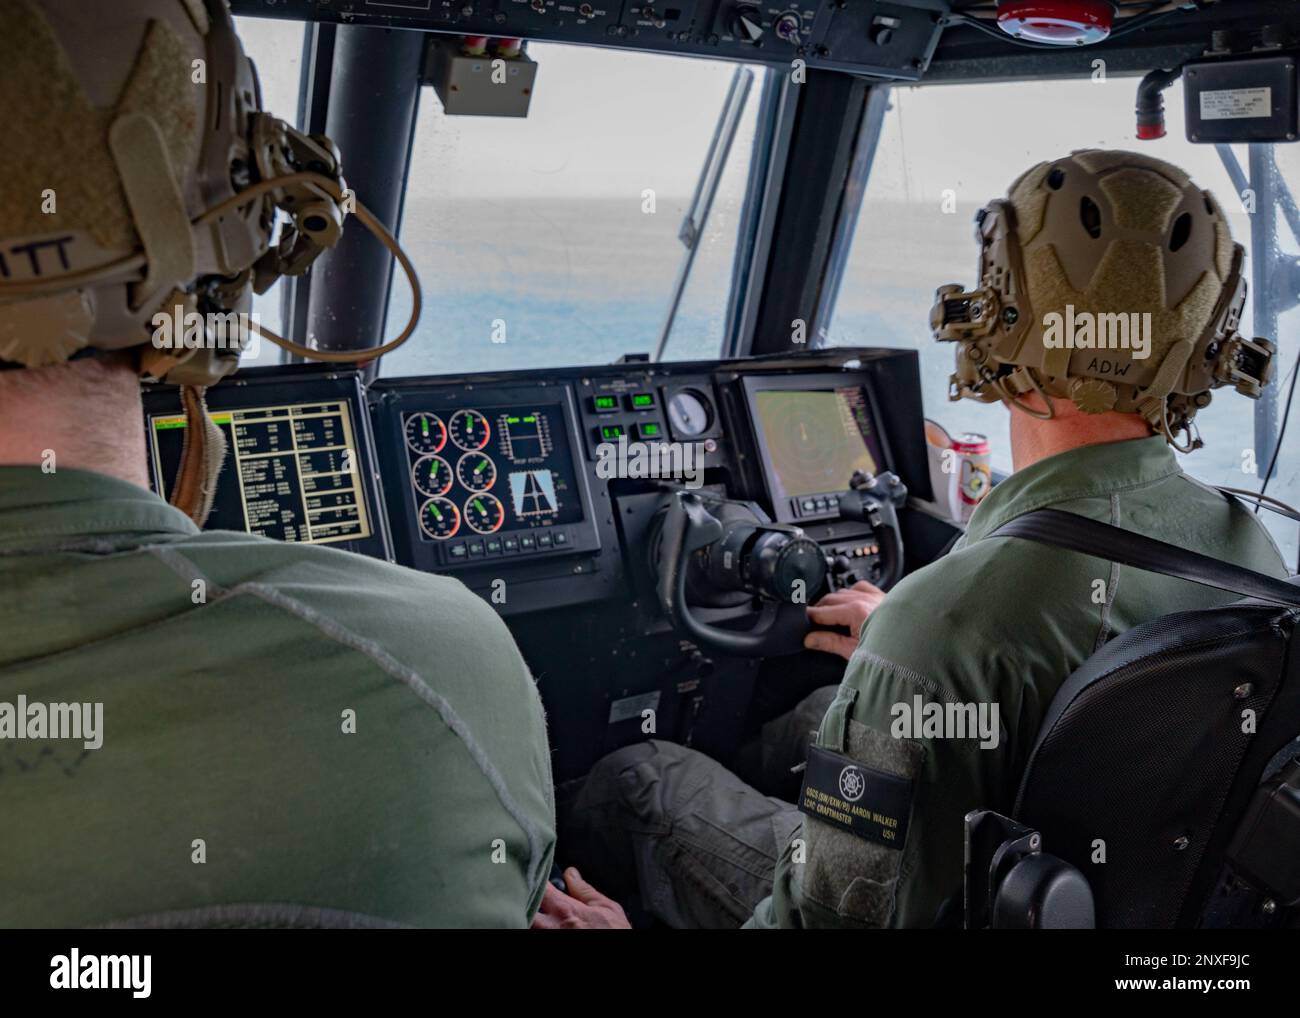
(488, 470)
(291, 473)
(817, 438)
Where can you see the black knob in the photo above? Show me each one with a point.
(747, 23)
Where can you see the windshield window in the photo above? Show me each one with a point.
(553, 240)
(937, 164)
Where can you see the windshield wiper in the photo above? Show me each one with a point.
(706, 188)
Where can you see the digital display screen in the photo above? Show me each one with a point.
(816, 439)
(291, 471)
(488, 470)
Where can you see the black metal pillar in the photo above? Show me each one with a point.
(1265, 260)
(373, 101)
(822, 149)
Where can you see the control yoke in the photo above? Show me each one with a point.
(750, 554)
(714, 545)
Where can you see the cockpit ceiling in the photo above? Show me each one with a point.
(902, 40)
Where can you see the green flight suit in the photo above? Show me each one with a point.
(291, 735)
(997, 621)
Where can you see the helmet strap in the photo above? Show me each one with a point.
(1020, 381)
(202, 454)
(157, 205)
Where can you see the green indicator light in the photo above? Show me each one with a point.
(437, 515)
(642, 399)
(512, 420)
(651, 429)
(167, 423)
(530, 420)
(605, 402)
(611, 430)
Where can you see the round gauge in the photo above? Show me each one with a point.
(689, 413)
(476, 471)
(470, 430)
(425, 433)
(484, 513)
(439, 518)
(431, 476)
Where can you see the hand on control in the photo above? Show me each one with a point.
(850, 607)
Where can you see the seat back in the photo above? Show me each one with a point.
(1151, 753)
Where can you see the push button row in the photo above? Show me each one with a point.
(547, 540)
(813, 505)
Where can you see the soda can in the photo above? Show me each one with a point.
(960, 470)
(974, 470)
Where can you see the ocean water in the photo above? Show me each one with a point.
(511, 284)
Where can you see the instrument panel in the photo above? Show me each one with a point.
(299, 464)
(814, 433)
(492, 480)
(481, 475)
(539, 489)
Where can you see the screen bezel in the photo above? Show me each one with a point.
(392, 401)
(275, 386)
(782, 507)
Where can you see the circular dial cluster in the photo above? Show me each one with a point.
(443, 513)
(483, 513)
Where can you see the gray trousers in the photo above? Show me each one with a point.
(697, 843)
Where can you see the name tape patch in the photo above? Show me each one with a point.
(861, 800)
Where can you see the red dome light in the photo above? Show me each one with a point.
(1060, 22)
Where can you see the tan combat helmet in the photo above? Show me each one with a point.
(1111, 280)
(142, 177)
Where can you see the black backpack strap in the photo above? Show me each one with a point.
(1092, 537)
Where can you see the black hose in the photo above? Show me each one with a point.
(1151, 104)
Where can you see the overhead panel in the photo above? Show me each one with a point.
(884, 39)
